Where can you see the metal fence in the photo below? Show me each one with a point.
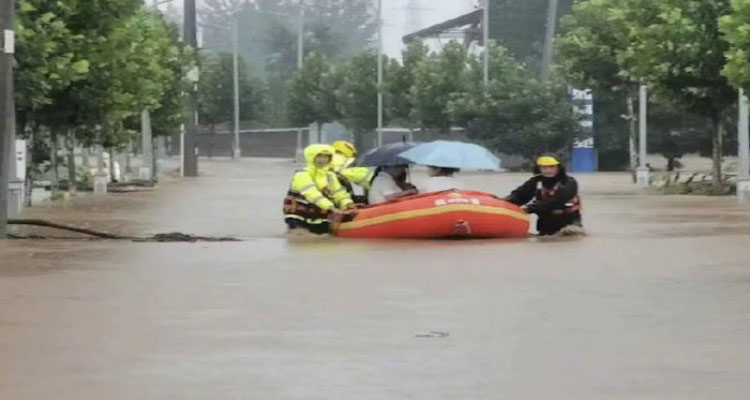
(289, 142)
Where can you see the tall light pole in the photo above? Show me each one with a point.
(743, 175)
(486, 40)
(549, 39)
(300, 65)
(380, 72)
(237, 150)
(7, 112)
(301, 36)
(643, 113)
(189, 148)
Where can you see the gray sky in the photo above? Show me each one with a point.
(401, 17)
(399, 20)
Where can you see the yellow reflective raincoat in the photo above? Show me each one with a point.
(361, 176)
(315, 191)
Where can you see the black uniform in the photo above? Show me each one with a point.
(556, 201)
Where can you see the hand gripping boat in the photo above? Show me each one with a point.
(449, 214)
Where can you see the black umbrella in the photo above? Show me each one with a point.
(386, 155)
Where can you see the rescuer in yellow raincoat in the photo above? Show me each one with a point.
(315, 192)
(348, 175)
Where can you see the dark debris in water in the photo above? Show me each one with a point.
(184, 237)
(97, 234)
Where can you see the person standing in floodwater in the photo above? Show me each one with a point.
(315, 192)
(552, 195)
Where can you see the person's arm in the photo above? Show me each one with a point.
(361, 176)
(339, 194)
(401, 194)
(523, 194)
(563, 195)
(303, 183)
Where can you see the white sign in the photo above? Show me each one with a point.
(21, 160)
(9, 42)
(584, 143)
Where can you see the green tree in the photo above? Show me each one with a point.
(735, 27)
(312, 92)
(216, 91)
(357, 95)
(676, 47)
(515, 113)
(519, 26)
(168, 116)
(399, 103)
(440, 78)
(46, 58)
(589, 51)
(337, 29)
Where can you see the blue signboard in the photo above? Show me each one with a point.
(584, 156)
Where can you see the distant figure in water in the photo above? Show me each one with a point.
(553, 196)
(440, 179)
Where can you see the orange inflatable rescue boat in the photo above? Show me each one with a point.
(449, 214)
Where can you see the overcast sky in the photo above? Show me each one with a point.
(401, 17)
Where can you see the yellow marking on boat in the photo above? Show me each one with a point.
(432, 211)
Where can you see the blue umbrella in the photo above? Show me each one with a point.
(448, 154)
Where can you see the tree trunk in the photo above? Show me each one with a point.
(718, 139)
(86, 159)
(633, 138)
(670, 164)
(128, 153)
(154, 160)
(29, 162)
(71, 145)
(53, 160)
(112, 176)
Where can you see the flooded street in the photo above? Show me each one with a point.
(653, 304)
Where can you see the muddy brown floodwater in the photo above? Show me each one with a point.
(654, 304)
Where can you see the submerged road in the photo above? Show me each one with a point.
(654, 304)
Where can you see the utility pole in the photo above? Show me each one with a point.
(486, 40)
(300, 65)
(301, 36)
(643, 113)
(7, 111)
(380, 72)
(237, 153)
(189, 148)
(549, 39)
(743, 175)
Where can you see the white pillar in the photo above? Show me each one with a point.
(147, 148)
(643, 111)
(17, 183)
(102, 176)
(743, 173)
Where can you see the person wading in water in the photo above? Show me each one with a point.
(552, 195)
